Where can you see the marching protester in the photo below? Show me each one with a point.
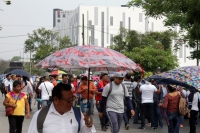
(45, 89)
(16, 100)
(83, 90)
(112, 96)
(193, 101)
(171, 104)
(7, 83)
(147, 91)
(60, 116)
(102, 83)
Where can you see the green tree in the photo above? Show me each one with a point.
(182, 13)
(151, 49)
(16, 58)
(44, 42)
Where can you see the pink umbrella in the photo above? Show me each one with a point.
(89, 56)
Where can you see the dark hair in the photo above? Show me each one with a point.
(64, 75)
(111, 79)
(8, 75)
(102, 75)
(40, 81)
(84, 78)
(128, 76)
(57, 90)
(170, 88)
(16, 83)
(25, 80)
(78, 77)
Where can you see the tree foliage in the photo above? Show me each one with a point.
(151, 49)
(16, 58)
(182, 13)
(44, 42)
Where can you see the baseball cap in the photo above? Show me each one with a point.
(119, 75)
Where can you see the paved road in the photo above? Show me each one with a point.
(133, 128)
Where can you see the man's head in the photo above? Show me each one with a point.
(64, 78)
(153, 82)
(84, 79)
(13, 77)
(8, 76)
(104, 77)
(46, 78)
(128, 76)
(118, 78)
(62, 98)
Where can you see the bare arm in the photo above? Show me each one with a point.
(6, 103)
(27, 108)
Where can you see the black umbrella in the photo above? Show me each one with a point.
(20, 72)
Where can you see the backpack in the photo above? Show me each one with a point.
(43, 113)
(2, 88)
(182, 106)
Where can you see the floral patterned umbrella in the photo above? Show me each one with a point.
(89, 56)
(189, 75)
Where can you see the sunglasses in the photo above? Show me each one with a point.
(69, 101)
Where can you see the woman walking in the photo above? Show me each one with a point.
(193, 109)
(171, 104)
(17, 100)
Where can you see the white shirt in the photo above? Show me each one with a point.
(28, 89)
(147, 92)
(49, 87)
(7, 83)
(56, 123)
(195, 102)
(164, 89)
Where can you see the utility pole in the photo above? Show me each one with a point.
(197, 52)
(30, 61)
(83, 27)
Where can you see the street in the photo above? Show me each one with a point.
(4, 126)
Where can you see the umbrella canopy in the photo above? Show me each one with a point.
(89, 56)
(57, 72)
(20, 72)
(155, 77)
(189, 75)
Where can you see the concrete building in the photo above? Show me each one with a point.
(101, 24)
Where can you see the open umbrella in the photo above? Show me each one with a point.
(57, 72)
(189, 75)
(89, 57)
(20, 72)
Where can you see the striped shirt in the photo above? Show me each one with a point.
(130, 86)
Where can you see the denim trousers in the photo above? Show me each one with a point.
(126, 115)
(115, 121)
(174, 118)
(157, 115)
(150, 108)
(85, 108)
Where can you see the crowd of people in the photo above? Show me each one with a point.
(66, 105)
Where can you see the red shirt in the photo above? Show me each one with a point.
(101, 84)
(75, 86)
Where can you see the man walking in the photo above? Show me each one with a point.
(113, 97)
(147, 90)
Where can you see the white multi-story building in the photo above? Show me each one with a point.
(101, 24)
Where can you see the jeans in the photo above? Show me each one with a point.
(181, 119)
(45, 102)
(15, 123)
(150, 108)
(38, 105)
(126, 115)
(115, 121)
(173, 122)
(29, 101)
(192, 119)
(157, 115)
(104, 120)
(87, 108)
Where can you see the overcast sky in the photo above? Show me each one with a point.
(24, 16)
